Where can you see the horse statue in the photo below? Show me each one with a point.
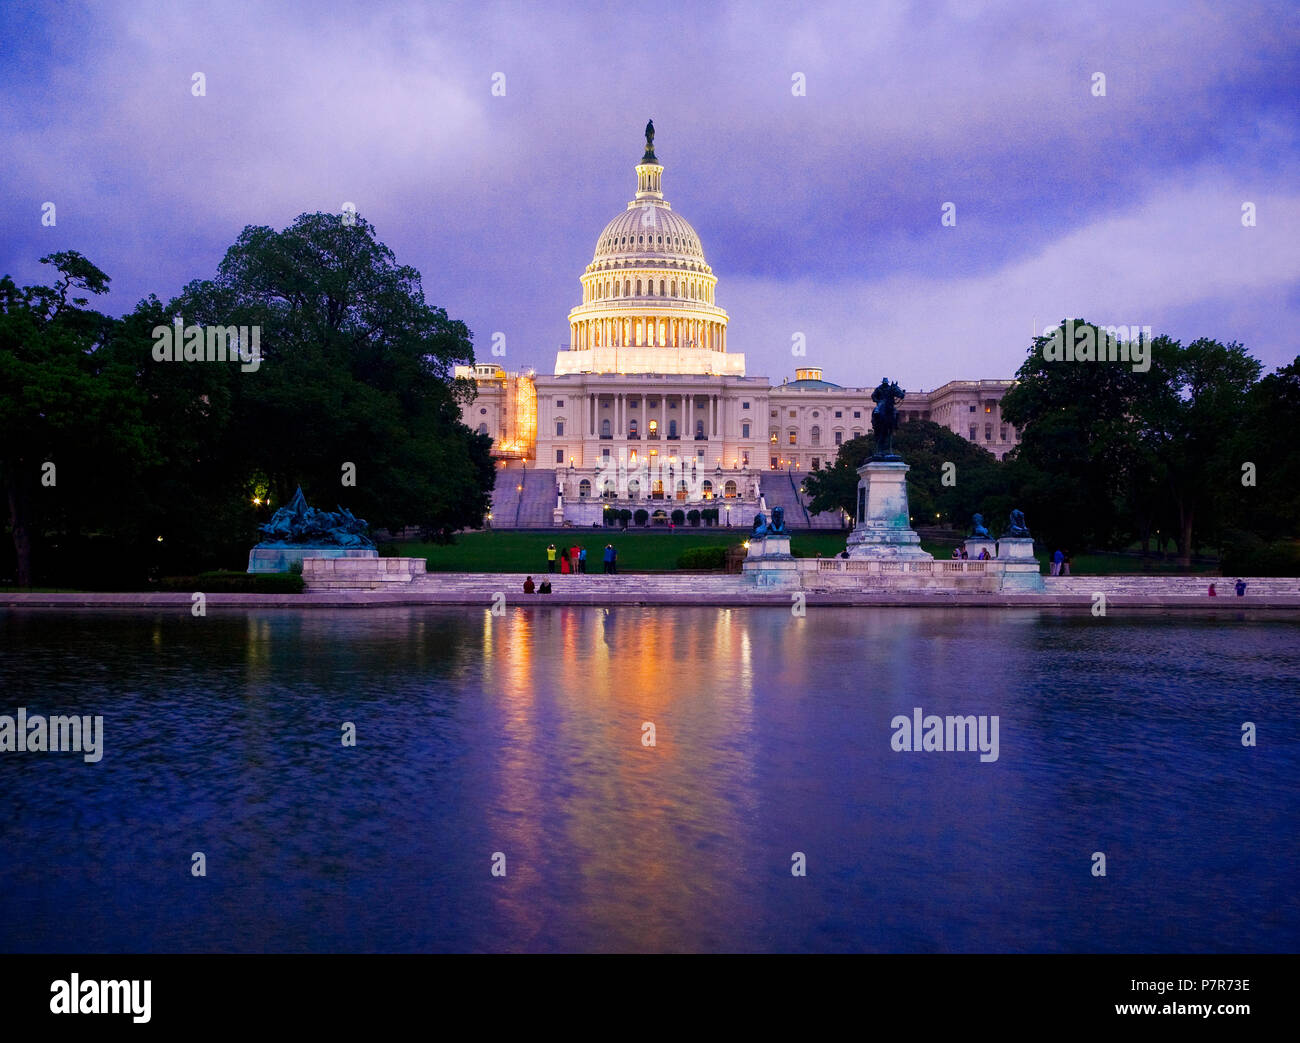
(884, 418)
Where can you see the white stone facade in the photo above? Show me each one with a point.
(647, 402)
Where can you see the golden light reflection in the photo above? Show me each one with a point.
(580, 682)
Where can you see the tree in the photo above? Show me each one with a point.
(355, 370)
(1267, 437)
(70, 428)
(1082, 431)
(1204, 391)
(972, 484)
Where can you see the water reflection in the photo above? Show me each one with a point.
(522, 734)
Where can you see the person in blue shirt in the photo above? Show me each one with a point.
(1241, 588)
(1057, 560)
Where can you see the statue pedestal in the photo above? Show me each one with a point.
(769, 562)
(278, 559)
(1021, 571)
(980, 543)
(884, 528)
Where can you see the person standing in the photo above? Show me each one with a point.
(582, 560)
(564, 561)
(1241, 588)
(609, 558)
(1065, 565)
(573, 558)
(613, 562)
(1057, 559)
(550, 558)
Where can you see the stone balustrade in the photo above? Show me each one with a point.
(361, 573)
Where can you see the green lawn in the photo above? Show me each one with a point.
(656, 551)
(638, 551)
(1115, 564)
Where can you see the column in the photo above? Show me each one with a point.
(690, 423)
(663, 417)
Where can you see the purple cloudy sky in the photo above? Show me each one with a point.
(819, 214)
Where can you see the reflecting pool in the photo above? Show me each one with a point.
(521, 742)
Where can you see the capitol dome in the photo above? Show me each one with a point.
(647, 295)
(649, 233)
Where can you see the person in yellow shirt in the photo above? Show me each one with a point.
(550, 558)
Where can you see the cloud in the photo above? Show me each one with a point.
(821, 209)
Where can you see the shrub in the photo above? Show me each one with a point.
(693, 516)
(703, 558)
(679, 517)
(237, 583)
(642, 516)
(1244, 555)
(625, 514)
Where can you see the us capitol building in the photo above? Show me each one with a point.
(648, 409)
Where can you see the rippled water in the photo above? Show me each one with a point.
(523, 735)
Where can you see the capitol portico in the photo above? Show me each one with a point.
(648, 409)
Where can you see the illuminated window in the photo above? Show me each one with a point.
(794, 437)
